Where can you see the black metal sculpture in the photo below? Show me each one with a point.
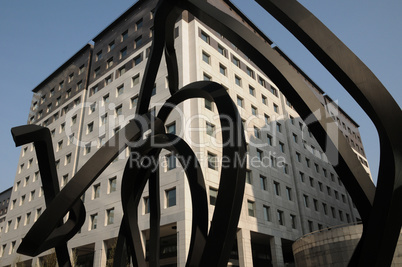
(380, 215)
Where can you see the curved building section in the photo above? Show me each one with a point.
(332, 246)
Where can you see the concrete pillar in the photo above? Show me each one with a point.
(183, 241)
(35, 262)
(100, 254)
(244, 248)
(276, 251)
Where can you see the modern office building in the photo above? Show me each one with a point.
(91, 96)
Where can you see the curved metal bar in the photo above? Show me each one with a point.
(134, 180)
(353, 176)
(232, 180)
(42, 140)
(45, 233)
(165, 17)
(381, 231)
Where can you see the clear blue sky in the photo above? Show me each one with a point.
(36, 37)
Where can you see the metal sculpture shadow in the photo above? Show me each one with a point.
(380, 214)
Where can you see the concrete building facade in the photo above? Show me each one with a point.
(291, 187)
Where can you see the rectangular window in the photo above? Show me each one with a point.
(260, 154)
(251, 208)
(277, 189)
(12, 248)
(206, 58)
(333, 211)
(68, 159)
(135, 80)
(306, 202)
(210, 129)
(133, 101)
(298, 156)
(99, 55)
(293, 221)
(236, 61)
(108, 80)
(147, 208)
(250, 72)
(138, 42)
(254, 111)
(118, 110)
(311, 181)
(308, 162)
(121, 71)
(273, 91)
(263, 182)
(170, 162)
(289, 193)
(17, 222)
(205, 37)
(281, 221)
(170, 197)
(87, 148)
(123, 52)
(324, 208)
(93, 221)
(105, 100)
(295, 139)
(278, 127)
(238, 80)
(264, 100)
(212, 161)
(266, 211)
(269, 140)
(317, 169)
(110, 216)
(171, 128)
(92, 108)
(257, 132)
(222, 50)
(112, 184)
(206, 77)
(124, 35)
(315, 202)
(310, 226)
(96, 72)
(213, 194)
(222, 69)
(59, 145)
(292, 120)
(261, 81)
(90, 127)
(138, 24)
(109, 63)
(282, 147)
(276, 109)
(249, 178)
(96, 191)
(111, 46)
(94, 90)
(240, 101)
